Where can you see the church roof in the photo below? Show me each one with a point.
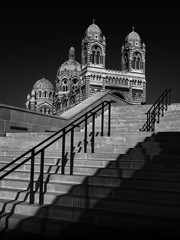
(70, 67)
(133, 36)
(43, 84)
(93, 28)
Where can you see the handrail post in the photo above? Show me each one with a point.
(153, 121)
(63, 152)
(102, 120)
(32, 178)
(109, 120)
(85, 134)
(93, 133)
(158, 114)
(169, 96)
(166, 101)
(147, 120)
(161, 105)
(162, 113)
(72, 152)
(41, 196)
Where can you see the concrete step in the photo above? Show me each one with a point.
(105, 182)
(133, 218)
(123, 180)
(124, 165)
(72, 207)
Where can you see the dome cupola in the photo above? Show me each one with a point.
(70, 67)
(133, 36)
(93, 29)
(133, 39)
(43, 84)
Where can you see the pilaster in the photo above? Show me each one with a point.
(87, 86)
(144, 93)
(130, 92)
(103, 83)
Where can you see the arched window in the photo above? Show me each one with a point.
(74, 83)
(134, 62)
(39, 94)
(137, 61)
(64, 85)
(96, 57)
(126, 61)
(45, 94)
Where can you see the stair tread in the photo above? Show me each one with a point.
(133, 174)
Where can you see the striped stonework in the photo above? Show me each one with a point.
(87, 86)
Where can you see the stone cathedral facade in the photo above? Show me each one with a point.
(76, 82)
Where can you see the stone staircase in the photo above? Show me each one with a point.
(131, 184)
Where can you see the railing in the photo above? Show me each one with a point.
(157, 110)
(40, 149)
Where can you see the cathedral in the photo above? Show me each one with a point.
(76, 82)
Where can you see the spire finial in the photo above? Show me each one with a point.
(71, 53)
(93, 20)
(133, 28)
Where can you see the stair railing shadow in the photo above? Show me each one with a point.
(61, 134)
(23, 195)
(120, 203)
(14, 202)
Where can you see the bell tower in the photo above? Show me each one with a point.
(133, 54)
(93, 48)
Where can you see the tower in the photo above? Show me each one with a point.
(133, 54)
(67, 83)
(93, 53)
(93, 48)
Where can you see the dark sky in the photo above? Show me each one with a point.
(35, 39)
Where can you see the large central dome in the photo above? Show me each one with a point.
(71, 67)
(43, 84)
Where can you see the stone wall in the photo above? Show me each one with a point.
(13, 119)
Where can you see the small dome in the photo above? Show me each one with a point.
(71, 49)
(93, 28)
(133, 36)
(43, 84)
(72, 53)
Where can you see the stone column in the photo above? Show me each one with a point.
(103, 83)
(87, 86)
(144, 93)
(80, 94)
(130, 91)
(130, 61)
(32, 101)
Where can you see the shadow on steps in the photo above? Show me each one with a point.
(138, 194)
(83, 231)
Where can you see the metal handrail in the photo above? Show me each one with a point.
(52, 139)
(157, 110)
